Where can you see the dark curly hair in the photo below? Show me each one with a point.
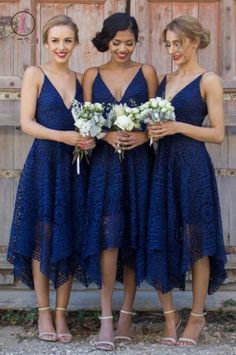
(119, 21)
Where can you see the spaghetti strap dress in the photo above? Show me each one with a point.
(184, 222)
(118, 193)
(49, 213)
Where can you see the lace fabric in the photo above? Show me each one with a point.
(184, 221)
(49, 209)
(118, 194)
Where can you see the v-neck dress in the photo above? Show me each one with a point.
(118, 193)
(49, 208)
(184, 222)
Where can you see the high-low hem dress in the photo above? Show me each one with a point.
(48, 218)
(118, 193)
(184, 221)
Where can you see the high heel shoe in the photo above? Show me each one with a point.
(170, 341)
(124, 337)
(191, 341)
(46, 336)
(105, 345)
(63, 337)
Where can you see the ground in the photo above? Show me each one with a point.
(18, 335)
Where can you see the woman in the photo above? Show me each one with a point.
(184, 227)
(47, 214)
(118, 190)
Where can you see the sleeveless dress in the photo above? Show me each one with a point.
(118, 193)
(49, 209)
(184, 221)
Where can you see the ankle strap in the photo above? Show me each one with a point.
(107, 317)
(60, 309)
(43, 308)
(169, 312)
(198, 314)
(126, 312)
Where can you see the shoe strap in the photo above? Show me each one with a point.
(169, 312)
(126, 312)
(60, 309)
(43, 308)
(106, 317)
(198, 314)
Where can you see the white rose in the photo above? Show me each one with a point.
(119, 110)
(124, 123)
(162, 103)
(98, 106)
(87, 104)
(153, 103)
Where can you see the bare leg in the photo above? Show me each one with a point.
(200, 274)
(62, 300)
(41, 285)
(124, 326)
(108, 270)
(172, 318)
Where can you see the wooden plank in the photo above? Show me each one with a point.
(86, 55)
(24, 46)
(6, 209)
(6, 148)
(9, 120)
(228, 33)
(9, 81)
(22, 144)
(74, 1)
(219, 153)
(7, 52)
(232, 185)
(159, 15)
(185, 1)
(185, 8)
(209, 57)
(224, 196)
(139, 9)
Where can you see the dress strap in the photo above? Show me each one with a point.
(41, 69)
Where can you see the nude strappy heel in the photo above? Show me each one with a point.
(46, 336)
(170, 340)
(124, 337)
(190, 341)
(105, 345)
(63, 337)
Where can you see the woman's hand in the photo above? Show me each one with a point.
(131, 140)
(75, 139)
(159, 130)
(113, 138)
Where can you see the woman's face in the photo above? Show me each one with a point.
(60, 43)
(122, 46)
(180, 49)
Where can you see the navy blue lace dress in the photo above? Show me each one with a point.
(184, 215)
(118, 193)
(49, 209)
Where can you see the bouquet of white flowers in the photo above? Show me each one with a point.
(125, 118)
(157, 110)
(89, 121)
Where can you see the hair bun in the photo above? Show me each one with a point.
(204, 38)
(100, 42)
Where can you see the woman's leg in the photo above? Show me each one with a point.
(62, 300)
(172, 318)
(41, 285)
(200, 276)
(124, 326)
(108, 271)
